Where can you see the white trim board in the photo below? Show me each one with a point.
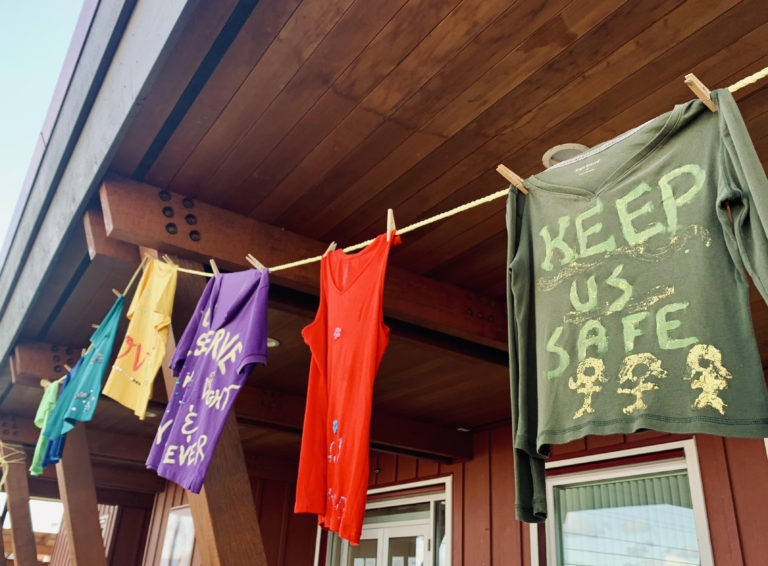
(689, 462)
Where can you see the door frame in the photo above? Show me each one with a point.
(402, 496)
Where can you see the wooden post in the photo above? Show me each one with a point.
(24, 548)
(78, 493)
(224, 512)
(3, 561)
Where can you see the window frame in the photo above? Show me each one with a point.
(688, 462)
(400, 498)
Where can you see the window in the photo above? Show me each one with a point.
(179, 540)
(404, 525)
(625, 512)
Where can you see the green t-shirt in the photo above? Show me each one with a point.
(41, 417)
(628, 301)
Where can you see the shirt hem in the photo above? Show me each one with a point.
(740, 428)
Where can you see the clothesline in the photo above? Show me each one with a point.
(753, 78)
(9, 454)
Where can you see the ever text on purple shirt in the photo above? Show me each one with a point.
(225, 338)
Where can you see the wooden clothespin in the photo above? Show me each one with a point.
(95, 327)
(390, 223)
(700, 90)
(116, 292)
(255, 263)
(66, 367)
(512, 177)
(331, 247)
(45, 383)
(214, 267)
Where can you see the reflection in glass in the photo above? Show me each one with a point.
(633, 522)
(364, 554)
(439, 535)
(395, 513)
(406, 551)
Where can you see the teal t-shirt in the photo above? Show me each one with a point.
(78, 400)
(629, 305)
(41, 417)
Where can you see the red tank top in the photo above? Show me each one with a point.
(347, 340)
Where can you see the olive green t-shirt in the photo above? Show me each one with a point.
(628, 301)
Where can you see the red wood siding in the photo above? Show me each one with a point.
(734, 474)
(289, 539)
(484, 530)
(60, 554)
(172, 496)
(130, 535)
(124, 536)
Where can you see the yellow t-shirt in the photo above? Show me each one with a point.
(130, 381)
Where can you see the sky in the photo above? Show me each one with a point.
(46, 515)
(34, 37)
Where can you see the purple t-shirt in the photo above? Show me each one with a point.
(225, 338)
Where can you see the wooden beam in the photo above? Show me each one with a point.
(125, 477)
(113, 446)
(78, 493)
(99, 244)
(255, 405)
(34, 361)
(136, 212)
(48, 488)
(17, 488)
(224, 512)
(388, 432)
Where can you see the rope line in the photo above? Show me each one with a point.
(409, 228)
(751, 79)
(10, 454)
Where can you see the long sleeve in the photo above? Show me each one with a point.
(530, 487)
(745, 187)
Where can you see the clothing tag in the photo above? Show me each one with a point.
(587, 167)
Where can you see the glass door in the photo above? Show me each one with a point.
(408, 546)
(370, 550)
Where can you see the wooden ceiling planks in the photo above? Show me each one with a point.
(397, 38)
(560, 133)
(509, 122)
(394, 172)
(449, 156)
(430, 179)
(231, 76)
(354, 31)
(297, 40)
(438, 48)
(198, 37)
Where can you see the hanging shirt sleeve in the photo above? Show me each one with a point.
(530, 485)
(743, 184)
